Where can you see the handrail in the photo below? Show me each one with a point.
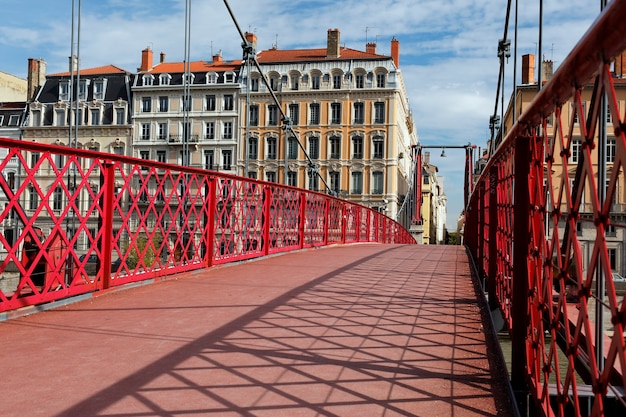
(75, 221)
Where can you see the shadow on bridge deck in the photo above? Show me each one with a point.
(361, 330)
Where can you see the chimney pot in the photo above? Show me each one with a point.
(370, 47)
(162, 60)
(36, 76)
(395, 51)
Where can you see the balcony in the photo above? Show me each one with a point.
(178, 139)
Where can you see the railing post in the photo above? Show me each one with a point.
(519, 297)
(107, 181)
(302, 224)
(344, 222)
(267, 203)
(326, 219)
(491, 218)
(210, 226)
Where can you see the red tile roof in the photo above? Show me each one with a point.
(197, 66)
(298, 55)
(107, 69)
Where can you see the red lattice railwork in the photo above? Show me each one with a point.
(546, 231)
(75, 221)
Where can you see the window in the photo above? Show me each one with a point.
(98, 90)
(254, 84)
(228, 130)
(59, 161)
(229, 77)
(34, 160)
(274, 83)
(379, 112)
(314, 147)
(162, 131)
(144, 155)
(82, 90)
(228, 102)
(336, 81)
(292, 178)
(95, 117)
(209, 130)
(59, 115)
(57, 199)
(254, 115)
(611, 147)
(272, 148)
(164, 79)
(380, 80)
(292, 148)
(146, 104)
(357, 147)
(253, 148)
(119, 116)
(147, 79)
(359, 113)
(314, 109)
(294, 110)
(11, 180)
(187, 103)
(14, 119)
(210, 102)
(576, 150)
(145, 131)
(79, 117)
(209, 159)
(378, 147)
(360, 81)
(357, 183)
(271, 176)
(164, 103)
(335, 184)
(294, 81)
(315, 82)
(211, 78)
(33, 198)
(377, 182)
(612, 252)
(335, 147)
(272, 115)
(161, 156)
(64, 90)
(188, 78)
(575, 113)
(314, 180)
(335, 113)
(227, 159)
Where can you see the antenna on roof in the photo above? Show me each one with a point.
(367, 28)
(275, 46)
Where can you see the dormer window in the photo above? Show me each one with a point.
(229, 77)
(147, 79)
(165, 79)
(64, 90)
(82, 89)
(189, 78)
(211, 78)
(99, 87)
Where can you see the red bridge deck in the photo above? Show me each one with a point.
(360, 330)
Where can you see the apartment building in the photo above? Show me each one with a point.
(349, 120)
(87, 109)
(615, 234)
(165, 116)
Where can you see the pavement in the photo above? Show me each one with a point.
(352, 330)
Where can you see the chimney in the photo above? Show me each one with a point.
(146, 60)
(162, 60)
(217, 58)
(251, 38)
(370, 47)
(332, 46)
(528, 69)
(620, 65)
(426, 158)
(73, 64)
(395, 51)
(36, 76)
(547, 69)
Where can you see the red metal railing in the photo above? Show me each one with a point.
(76, 221)
(547, 262)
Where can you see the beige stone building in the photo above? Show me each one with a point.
(349, 116)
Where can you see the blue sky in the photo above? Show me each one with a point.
(448, 48)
